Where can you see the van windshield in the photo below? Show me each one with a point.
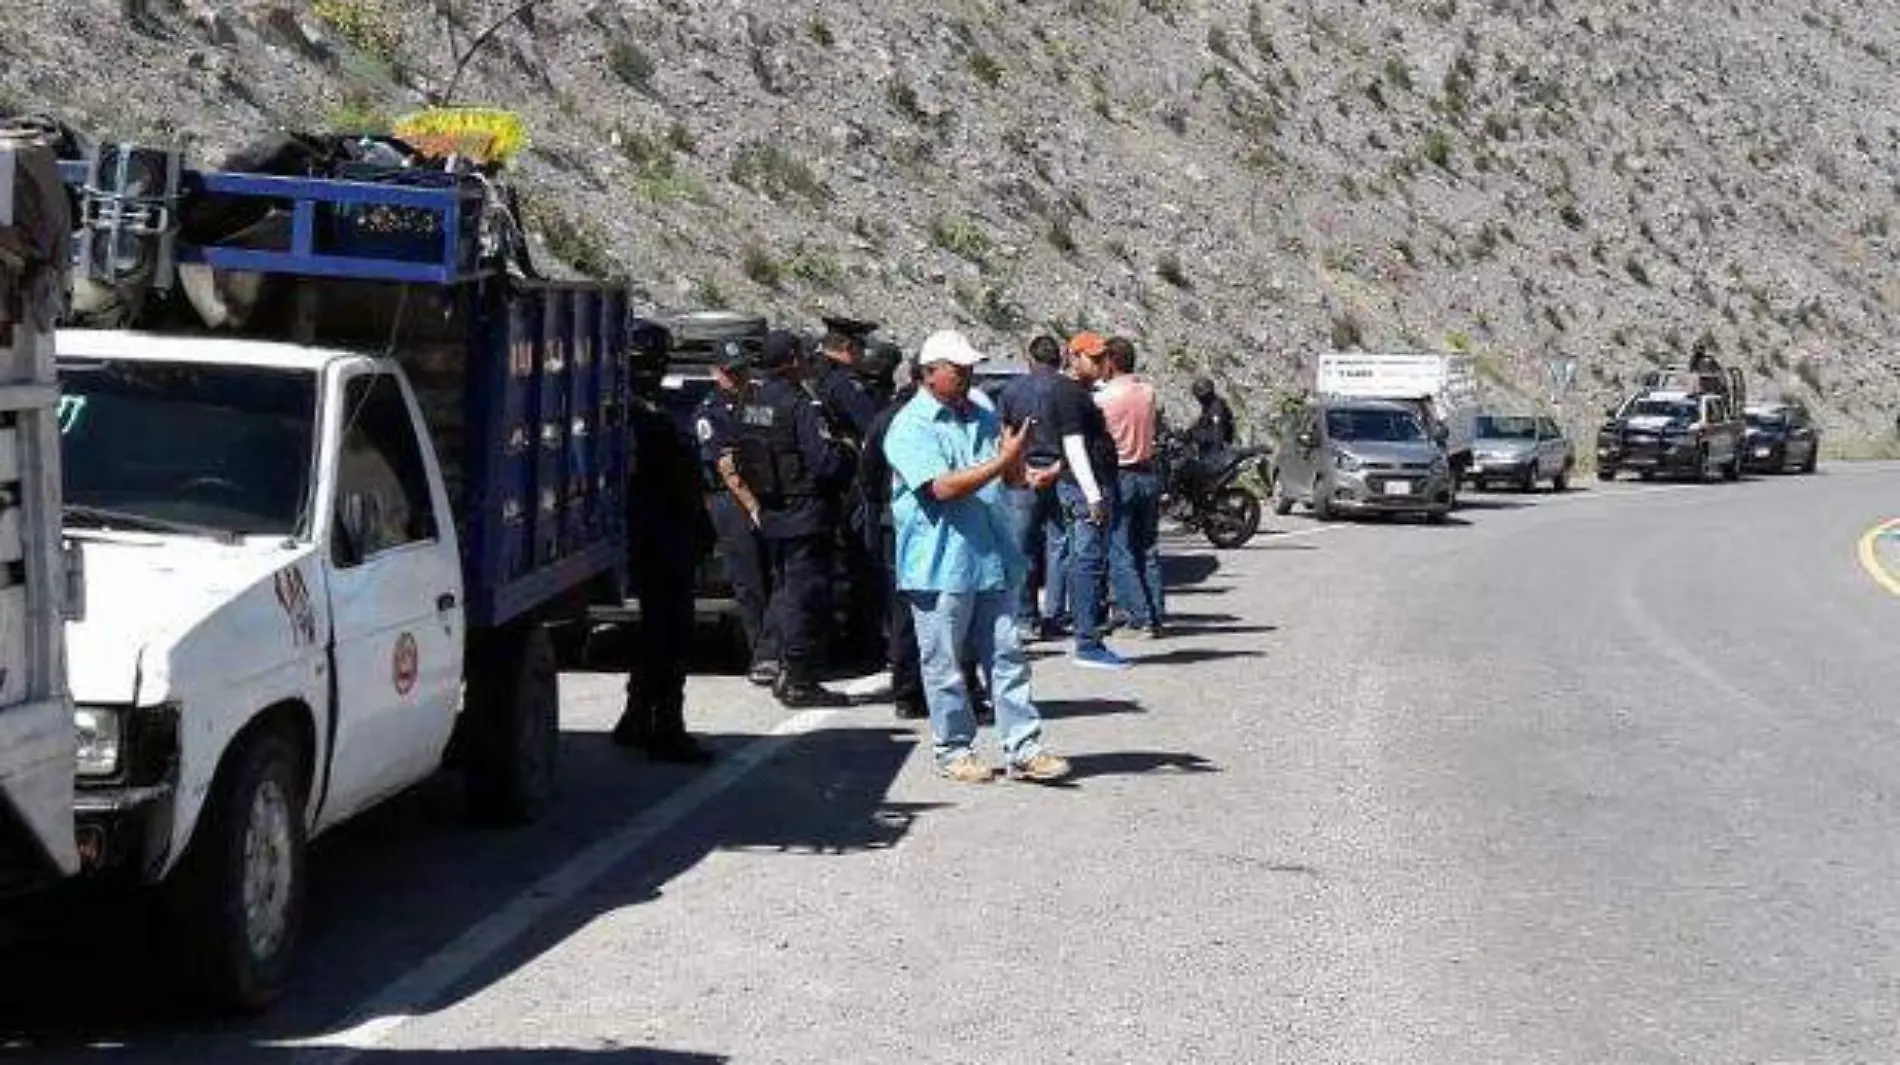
(1390, 426)
(225, 448)
(1674, 409)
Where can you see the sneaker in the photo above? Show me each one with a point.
(1152, 632)
(1040, 768)
(806, 695)
(910, 708)
(965, 769)
(1028, 632)
(1098, 658)
(764, 673)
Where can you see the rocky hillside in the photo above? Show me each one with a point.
(1240, 185)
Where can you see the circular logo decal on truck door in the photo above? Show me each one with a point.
(404, 663)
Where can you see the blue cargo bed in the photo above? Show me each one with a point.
(524, 383)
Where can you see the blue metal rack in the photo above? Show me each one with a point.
(348, 229)
(545, 390)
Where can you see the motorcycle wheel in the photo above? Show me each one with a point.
(1233, 516)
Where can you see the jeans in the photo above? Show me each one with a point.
(1088, 563)
(1134, 549)
(1036, 522)
(979, 624)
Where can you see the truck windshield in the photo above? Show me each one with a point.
(1765, 420)
(217, 447)
(1390, 426)
(1498, 427)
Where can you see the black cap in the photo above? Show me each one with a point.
(850, 327)
(647, 335)
(781, 349)
(732, 356)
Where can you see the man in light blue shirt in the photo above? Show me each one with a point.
(958, 563)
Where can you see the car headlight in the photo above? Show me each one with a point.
(99, 733)
(1346, 462)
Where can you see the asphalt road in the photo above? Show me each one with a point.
(1605, 777)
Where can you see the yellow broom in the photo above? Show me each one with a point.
(483, 135)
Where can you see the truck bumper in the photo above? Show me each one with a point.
(120, 830)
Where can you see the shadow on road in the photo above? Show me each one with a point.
(1137, 763)
(1187, 656)
(1179, 569)
(389, 891)
(1174, 630)
(1060, 708)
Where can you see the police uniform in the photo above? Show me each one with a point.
(664, 517)
(741, 548)
(788, 461)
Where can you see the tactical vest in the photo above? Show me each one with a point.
(767, 452)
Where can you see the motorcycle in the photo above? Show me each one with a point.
(1200, 490)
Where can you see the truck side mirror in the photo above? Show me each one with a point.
(1307, 438)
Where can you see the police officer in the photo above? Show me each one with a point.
(735, 511)
(842, 384)
(789, 463)
(664, 523)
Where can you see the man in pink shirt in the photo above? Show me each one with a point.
(1133, 413)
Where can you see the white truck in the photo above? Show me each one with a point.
(37, 584)
(325, 549)
(1442, 387)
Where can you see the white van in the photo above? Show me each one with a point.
(1450, 382)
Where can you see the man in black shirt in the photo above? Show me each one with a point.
(1038, 512)
(1087, 494)
(1214, 429)
(666, 517)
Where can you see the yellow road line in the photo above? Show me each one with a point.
(1870, 558)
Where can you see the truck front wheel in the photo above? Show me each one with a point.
(238, 894)
(513, 721)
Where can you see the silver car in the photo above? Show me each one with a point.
(1520, 450)
(1361, 456)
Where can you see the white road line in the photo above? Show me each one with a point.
(373, 1022)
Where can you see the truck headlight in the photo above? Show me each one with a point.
(1346, 462)
(99, 733)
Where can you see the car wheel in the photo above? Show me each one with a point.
(1561, 482)
(1529, 483)
(236, 899)
(1606, 473)
(1733, 471)
(1814, 458)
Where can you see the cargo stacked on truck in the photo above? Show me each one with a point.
(347, 466)
(37, 726)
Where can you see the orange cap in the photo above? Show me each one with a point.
(1090, 344)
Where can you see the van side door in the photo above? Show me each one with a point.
(395, 587)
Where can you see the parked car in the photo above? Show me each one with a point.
(1520, 450)
(1780, 437)
(1360, 456)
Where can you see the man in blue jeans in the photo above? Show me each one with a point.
(1134, 554)
(1037, 512)
(1087, 493)
(958, 564)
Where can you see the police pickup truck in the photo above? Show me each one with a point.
(1671, 433)
(325, 546)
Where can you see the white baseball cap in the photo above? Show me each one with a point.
(948, 345)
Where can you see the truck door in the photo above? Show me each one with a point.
(395, 585)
